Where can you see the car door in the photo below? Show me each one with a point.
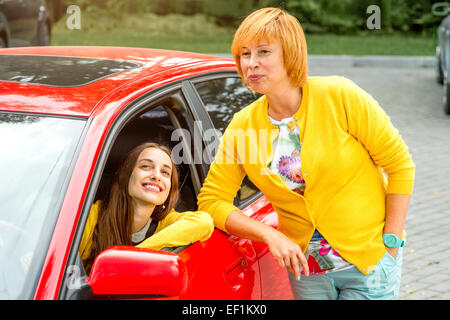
(222, 267)
(221, 96)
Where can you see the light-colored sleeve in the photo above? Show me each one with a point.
(86, 240)
(222, 182)
(179, 229)
(371, 126)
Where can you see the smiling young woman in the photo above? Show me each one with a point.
(145, 190)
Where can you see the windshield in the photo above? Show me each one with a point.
(35, 157)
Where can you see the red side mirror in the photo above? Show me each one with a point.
(131, 271)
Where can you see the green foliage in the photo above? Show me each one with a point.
(349, 16)
(319, 16)
(228, 13)
(100, 21)
(316, 16)
(187, 7)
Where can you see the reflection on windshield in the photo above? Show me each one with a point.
(35, 154)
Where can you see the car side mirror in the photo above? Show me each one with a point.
(126, 271)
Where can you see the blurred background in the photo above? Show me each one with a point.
(407, 27)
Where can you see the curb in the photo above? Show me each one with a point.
(373, 61)
(365, 61)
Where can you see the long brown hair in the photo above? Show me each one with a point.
(115, 215)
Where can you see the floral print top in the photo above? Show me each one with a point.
(286, 164)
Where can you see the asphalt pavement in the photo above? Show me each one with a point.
(407, 90)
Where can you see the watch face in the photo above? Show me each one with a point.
(390, 241)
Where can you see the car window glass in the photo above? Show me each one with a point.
(34, 162)
(222, 99)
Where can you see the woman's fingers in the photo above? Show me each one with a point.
(296, 260)
(288, 254)
(292, 258)
(294, 266)
(304, 263)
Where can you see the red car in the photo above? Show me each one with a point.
(67, 116)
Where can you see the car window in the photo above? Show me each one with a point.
(153, 124)
(35, 160)
(222, 99)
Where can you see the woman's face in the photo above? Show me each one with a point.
(150, 180)
(262, 66)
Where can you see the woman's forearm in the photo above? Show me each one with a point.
(396, 210)
(242, 226)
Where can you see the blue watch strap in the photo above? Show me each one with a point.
(392, 241)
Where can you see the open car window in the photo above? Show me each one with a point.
(156, 125)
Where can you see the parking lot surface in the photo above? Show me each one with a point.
(412, 98)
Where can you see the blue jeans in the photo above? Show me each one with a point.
(383, 283)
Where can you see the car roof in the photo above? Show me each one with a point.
(151, 68)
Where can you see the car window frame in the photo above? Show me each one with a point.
(34, 274)
(203, 114)
(133, 108)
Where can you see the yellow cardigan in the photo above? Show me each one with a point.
(176, 229)
(347, 142)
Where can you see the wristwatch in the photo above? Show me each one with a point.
(392, 241)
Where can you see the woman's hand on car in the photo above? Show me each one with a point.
(286, 252)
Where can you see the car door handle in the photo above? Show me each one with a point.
(235, 273)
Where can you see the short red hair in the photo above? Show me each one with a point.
(275, 24)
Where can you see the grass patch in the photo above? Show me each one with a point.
(186, 33)
(372, 44)
(193, 43)
(200, 34)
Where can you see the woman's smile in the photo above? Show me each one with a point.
(153, 187)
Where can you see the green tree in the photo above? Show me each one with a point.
(386, 6)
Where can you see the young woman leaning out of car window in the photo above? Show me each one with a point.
(145, 189)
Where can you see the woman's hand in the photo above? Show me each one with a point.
(286, 252)
(392, 252)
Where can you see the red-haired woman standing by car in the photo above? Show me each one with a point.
(140, 208)
(322, 170)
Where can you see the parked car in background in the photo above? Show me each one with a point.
(24, 23)
(67, 117)
(443, 61)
